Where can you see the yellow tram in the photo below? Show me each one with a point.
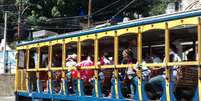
(40, 62)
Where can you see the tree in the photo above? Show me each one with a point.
(159, 6)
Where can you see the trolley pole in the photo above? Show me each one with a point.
(4, 49)
(89, 13)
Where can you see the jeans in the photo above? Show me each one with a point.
(156, 82)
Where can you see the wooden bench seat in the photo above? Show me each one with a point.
(187, 77)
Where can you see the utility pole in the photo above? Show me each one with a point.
(89, 13)
(4, 49)
(19, 21)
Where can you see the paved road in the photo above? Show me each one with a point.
(7, 98)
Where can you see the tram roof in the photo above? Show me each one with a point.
(139, 22)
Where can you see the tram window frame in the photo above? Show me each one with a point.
(70, 46)
(185, 44)
(35, 57)
(150, 46)
(24, 59)
(129, 46)
(84, 52)
(41, 58)
(109, 53)
(53, 55)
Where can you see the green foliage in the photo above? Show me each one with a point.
(157, 7)
(37, 12)
(55, 12)
(44, 9)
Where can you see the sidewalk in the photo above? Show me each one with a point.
(7, 98)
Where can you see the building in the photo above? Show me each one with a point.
(183, 5)
(9, 59)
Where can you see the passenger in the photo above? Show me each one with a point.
(155, 58)
(45, 62)
(156, 82)
(186, 93)
(56, 61)
(44, 78)
(155, 70)
(31, 61)
(87, 75)
(71, 62)
(106, 74)
(127, 59)
(104, 60)
(132, 75)
(57, 75)
(145, 70)
(191, 56)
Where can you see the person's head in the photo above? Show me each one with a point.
(106, 55)
(173, 48)
(191, 56)
(127, 53)
(133, 42)
(74, 56)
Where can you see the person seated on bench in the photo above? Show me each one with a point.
(156, 81)
(186, 80)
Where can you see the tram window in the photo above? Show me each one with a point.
(32, 58)
(153, 51)
(71, 54)
(71, 61)
(43, 77)
(21, 59)
(127, 55)
(32, 81)
(44, 57)
(185, 40)
(106, 57)
(57, 83)
(106, 50)
(153, 46)
(87, 48)
(57, 55)
(184, 37)
(128, 48)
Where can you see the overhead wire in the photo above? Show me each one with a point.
(100, 10)
(122, 9)
(96, 12)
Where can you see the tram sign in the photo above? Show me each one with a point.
(43, 33)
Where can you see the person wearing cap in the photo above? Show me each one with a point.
(71, 60)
